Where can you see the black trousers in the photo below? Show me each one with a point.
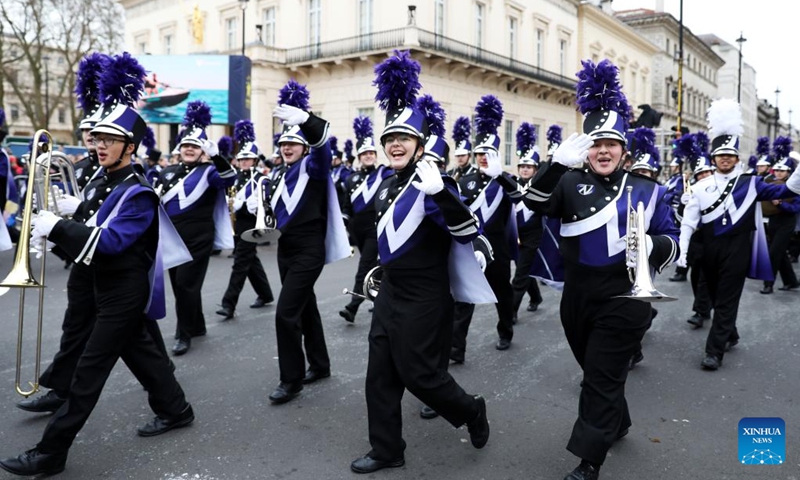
(76, 328)
(409, 346)
(497, 273)
(725, 262)
(523, 282)
(702, 302)
(367, 242)
(120, 332)
(297, 319)
(246, 266)
(779, 232)
(603, 335)
(187, 284)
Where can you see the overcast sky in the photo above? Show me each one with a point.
(771, 47)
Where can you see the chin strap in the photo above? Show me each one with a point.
(118, 161)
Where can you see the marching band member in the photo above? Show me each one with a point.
(603, 330)
(553, 140)
(490, 193)
(8, 190)
(359, 209)
(725, 210)
(424, 234)
(117, 233)
(152, 156)
(529, 223)
(463, 150)
(304, 200)
(90, 69)
(246, 264)
(764, 161)
(645, 153)
(193, 193)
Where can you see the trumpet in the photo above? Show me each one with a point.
(231, 211)
(636, 244)
(372, 285)
(21, 276)
(264, 230)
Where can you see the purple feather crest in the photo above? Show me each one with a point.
(149, 139)
(87, 81)
(781, 147)
(751, 162)
(686, 147)
(333, 143)
(644, 141)
(554, 135)
(702, 141)
(225, 145)
(295, 95)
(122, 81)
(526, 137)
(461, 129)
(198, 114)
(488, 115)
(348, 148)
(397, 79)
(362, 126)
(762, 147)
(244, 132)
(598, 88)
(433, 113)
(275, 139)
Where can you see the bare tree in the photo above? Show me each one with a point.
(64, 31)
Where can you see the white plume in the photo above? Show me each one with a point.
(725, 118)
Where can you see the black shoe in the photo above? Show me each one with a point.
(34, 462)
(479, 427)
(730, 344)
(636, 358)
(585, 471)
(767, 290)
(261, 302)
(786, 288)
(653, 313)
(457, 356)
(347, 314)
(370, 309)
(163, 425)
(49, 402)
(678, 277)
(215, 252)
(226, 312)
(711, 362)
(367, 464)
(181, 347)
(532, 307)
(514, 319)
(201, 333)
(697, 320)
(231, 255)
(314, 375)
(503, 344)
(285, 392)
(427, 412)
(622, 434)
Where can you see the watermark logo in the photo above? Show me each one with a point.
(762, 441)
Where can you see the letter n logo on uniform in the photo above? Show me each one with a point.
(762, 441)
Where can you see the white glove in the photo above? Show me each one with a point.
(681, 261)
(36, 246)
(210, 148)
(573, 151)
(430, 178)
(43, 223)
(252, 204)
(481, 258)
(67, 204)
(685, 198)
(493, 168)
(237, 204)
(290, 115)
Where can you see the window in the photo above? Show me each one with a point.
(366, 112)
(14, 111)
(562, 57)
(269, 27)
(439, 17)
(512, 37)
(479, 9)
(668, 45)
(230, 33)
(167, 44)
(539, 47)
(364, 17)
(62, 115)
(142, 47)
(314, 21)
(509, 147)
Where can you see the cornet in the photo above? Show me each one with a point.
(636, 244)
(372, 285)
(264, 230)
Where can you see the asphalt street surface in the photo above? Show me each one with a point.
(684, 419)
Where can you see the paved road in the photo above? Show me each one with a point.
(684, 419)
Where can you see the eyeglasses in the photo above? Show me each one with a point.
(106, 141)
(390, 139)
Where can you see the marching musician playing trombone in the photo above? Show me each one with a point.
(602, 326)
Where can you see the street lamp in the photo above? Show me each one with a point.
(46, 60)
(243, 6)
(740, 41)
(777, 111)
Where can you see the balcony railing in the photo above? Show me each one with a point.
(347, 46)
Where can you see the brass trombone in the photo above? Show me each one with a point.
(21, 276)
